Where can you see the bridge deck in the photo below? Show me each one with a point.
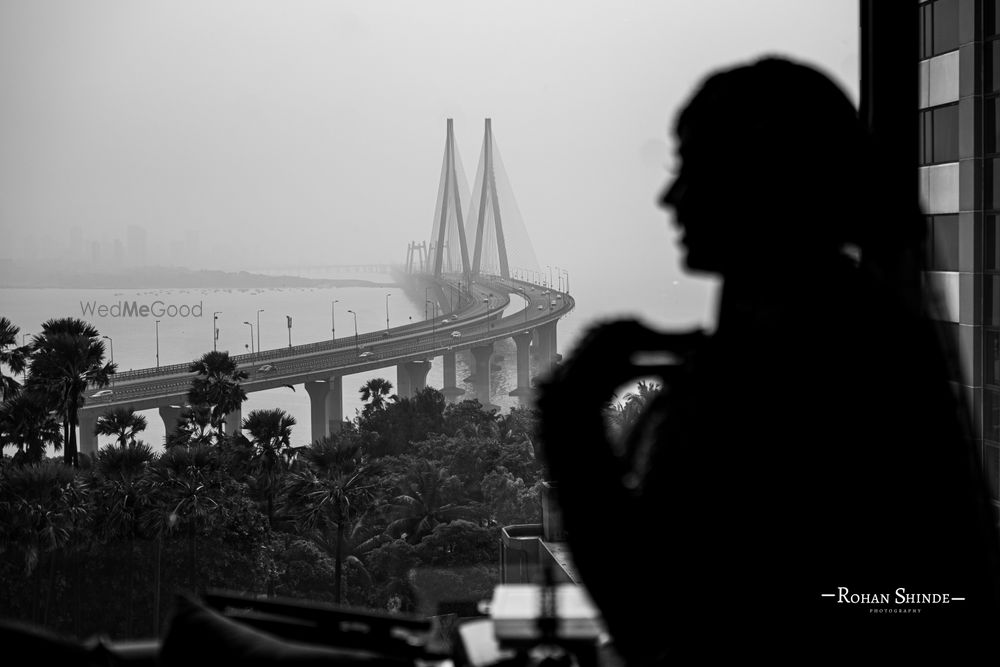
(150, 388)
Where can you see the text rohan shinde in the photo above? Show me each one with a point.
(899, 596)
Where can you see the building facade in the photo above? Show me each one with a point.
(959, 63)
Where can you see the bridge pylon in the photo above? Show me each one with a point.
(489, 202)
(448, 222)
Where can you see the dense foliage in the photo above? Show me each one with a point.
(399, 510)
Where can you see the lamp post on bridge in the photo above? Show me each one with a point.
(157, 344)
(387, 314)
(215, 330)
(426, 301)
(487, 302)
(333, 319)
(433, 318)
(559, 279)
(289, 319)
(258, 329)
(251, 335)
(355, 330)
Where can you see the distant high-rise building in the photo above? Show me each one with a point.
(135, 244)
(95, 253)
(959, 64)
(118, 253)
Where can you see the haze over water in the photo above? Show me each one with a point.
(183, 339)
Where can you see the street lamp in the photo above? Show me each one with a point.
(387, 314)
(487, 302)
(434, 319)
(157, 344)
(426, 301)
(355, 330)
(251, 335)
(333, 319)
(112, 358)
(215, 330)
(288, 318)
(567, 280)
(559, 278)
(258, 328)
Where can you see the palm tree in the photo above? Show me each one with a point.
(425, 503)
(120, 467)
(322, 494)
(183, 491)
(122, 423)
(270, 436)
(358, 540)
(68, 357)
(627, 413)
(15, 359)
(29, 427)
(375, 390)
(193, 428)
(42, 508)
(217, 385)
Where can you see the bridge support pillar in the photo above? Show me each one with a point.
(546, 347)
(450, 390)
(481, 375)
(524, 391)
(326, 406)
(234, 421)
(417, 372)
(402, 381)
(88, 441)
(335, 404)
(171, 416)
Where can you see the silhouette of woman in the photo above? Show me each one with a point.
(808, 459)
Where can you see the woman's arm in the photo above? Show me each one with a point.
(610, 532)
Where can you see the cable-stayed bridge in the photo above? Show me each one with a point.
(468, 255)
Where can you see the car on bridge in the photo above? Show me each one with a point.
(541, 308)
(102, 393)
(266, 368)
(456, 334)
(365, 354)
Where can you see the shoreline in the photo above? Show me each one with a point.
(174, 279)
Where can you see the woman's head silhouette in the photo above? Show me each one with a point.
(774, 165)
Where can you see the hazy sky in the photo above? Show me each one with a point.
(300, 131)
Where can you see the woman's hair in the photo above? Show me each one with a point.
(799, 134)
(804, 138)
